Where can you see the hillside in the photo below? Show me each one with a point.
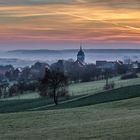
(107, 115)
(76, 101)
(84, 88)
(75, 50)
(117, 120)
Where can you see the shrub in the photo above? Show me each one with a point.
(129, 76)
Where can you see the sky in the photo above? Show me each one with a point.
(64, 24)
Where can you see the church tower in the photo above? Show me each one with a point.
(81, 55)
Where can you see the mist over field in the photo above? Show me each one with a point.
(21, 58)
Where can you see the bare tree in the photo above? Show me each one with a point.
(54, 82)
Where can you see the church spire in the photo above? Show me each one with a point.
(81, 55)
(80, 46)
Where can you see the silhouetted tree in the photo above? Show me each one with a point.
(53, 83)
(122, 69)
(13, 90)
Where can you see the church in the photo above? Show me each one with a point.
(80, 57)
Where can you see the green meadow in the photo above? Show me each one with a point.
(92, 115)
(117, 120)
(85, 88)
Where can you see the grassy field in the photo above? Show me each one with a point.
(43, 104)
(109, 115)
(26, 95)
(97, 86)
(106, 96)
(118, 120)
(84, 88)
(8, 106)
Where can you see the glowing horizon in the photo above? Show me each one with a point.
(92, 21)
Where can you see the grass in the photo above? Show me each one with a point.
(43, 104)
(84, 88)
(26, 95)
(119, 120)
(110, 115)
(21, 105)
(130, 104)
(107, 96)
(8, 106)
(97, 86)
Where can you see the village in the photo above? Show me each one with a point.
(17, 80)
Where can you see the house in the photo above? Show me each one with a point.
(135, 66)
(106, 65)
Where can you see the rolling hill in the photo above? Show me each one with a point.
(107, 115)
(118, 120)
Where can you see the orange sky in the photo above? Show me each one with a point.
(70, 20)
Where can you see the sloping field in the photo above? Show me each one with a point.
(119, 120)
(43, 104)
(106, 96)
(26, 104)
(97, 86)
(85, 88)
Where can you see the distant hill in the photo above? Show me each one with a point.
(91, 55)
(75, 50)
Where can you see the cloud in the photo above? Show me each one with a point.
(92, 20)
(34, 2)
(114, 3)
(110, 3)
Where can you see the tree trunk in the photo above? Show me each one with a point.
(55, 97)
(106, 81)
